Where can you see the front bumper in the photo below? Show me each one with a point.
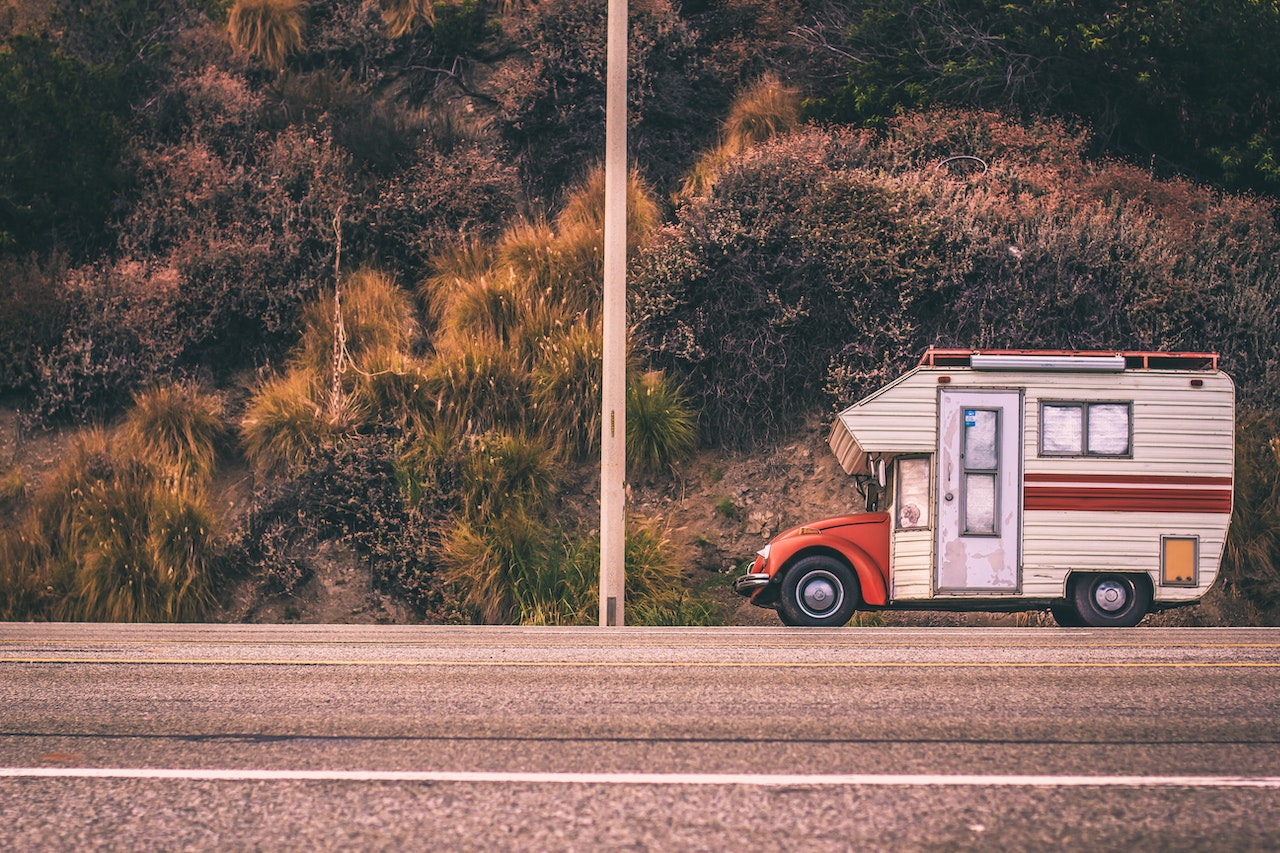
(748, 584)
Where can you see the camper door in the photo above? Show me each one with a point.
(979, 492)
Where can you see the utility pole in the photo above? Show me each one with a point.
(613, 446)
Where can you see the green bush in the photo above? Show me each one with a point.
(662, 428)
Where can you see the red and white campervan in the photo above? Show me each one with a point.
(1095, 484)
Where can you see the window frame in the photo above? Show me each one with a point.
(1083, 407)
(926, 512)
(967, 470)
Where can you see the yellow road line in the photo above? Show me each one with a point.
(653, 644)
(659, 664)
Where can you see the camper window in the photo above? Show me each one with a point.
(1086, 429)
(911, 509)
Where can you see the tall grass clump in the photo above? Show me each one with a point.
(508, 471)
(499, 563)
(662, 427)
(765, 109)
(379, 380)
(376, 315)
(268, 30)
(479, 387)
(178, 426)
(120, 532)
(284, 422)
(404, 16)
(566, 383)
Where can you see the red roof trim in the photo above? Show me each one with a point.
(1134, 359)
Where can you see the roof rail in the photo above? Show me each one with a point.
(1029, 359)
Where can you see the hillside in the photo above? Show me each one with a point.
(325, 276)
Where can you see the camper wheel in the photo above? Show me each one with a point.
(818, 592)
(1110, 600)
(1066, 616)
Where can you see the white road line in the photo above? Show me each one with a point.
(742, 779)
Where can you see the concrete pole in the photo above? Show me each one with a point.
(613, 448)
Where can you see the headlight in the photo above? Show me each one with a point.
(764, 552)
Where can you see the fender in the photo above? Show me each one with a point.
(871, 576)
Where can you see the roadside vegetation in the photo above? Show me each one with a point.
(351, 253)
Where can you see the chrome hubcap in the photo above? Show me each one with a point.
(1110, 596)
(820, 593)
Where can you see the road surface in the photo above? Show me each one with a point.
(356, 737)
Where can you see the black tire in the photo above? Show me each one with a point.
(1066, 616)
(787, 620)
(1110, 600)
(818, 592)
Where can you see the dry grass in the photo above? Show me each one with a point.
(766, 109)
(283, 422)
(268, 30)
(404, 16)
(179, 427)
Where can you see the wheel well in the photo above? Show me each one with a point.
(819, 551)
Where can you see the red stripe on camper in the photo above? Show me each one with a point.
(1127, 493)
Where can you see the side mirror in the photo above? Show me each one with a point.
(878, 467)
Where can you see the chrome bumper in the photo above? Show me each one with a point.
(748, 584)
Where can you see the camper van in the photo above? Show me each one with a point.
(1097, 485)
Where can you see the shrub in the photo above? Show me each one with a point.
(824, 261)
(268, 30)
(792, 258)
(61, 147)
(1251, 560)
(450, 191)
(553, 102)
(661, 426)
(350, 492)
(32, 316)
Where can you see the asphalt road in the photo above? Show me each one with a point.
(346, 737)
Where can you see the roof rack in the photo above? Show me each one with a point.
(1068, 360)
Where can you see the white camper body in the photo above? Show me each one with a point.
(1012, 475)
